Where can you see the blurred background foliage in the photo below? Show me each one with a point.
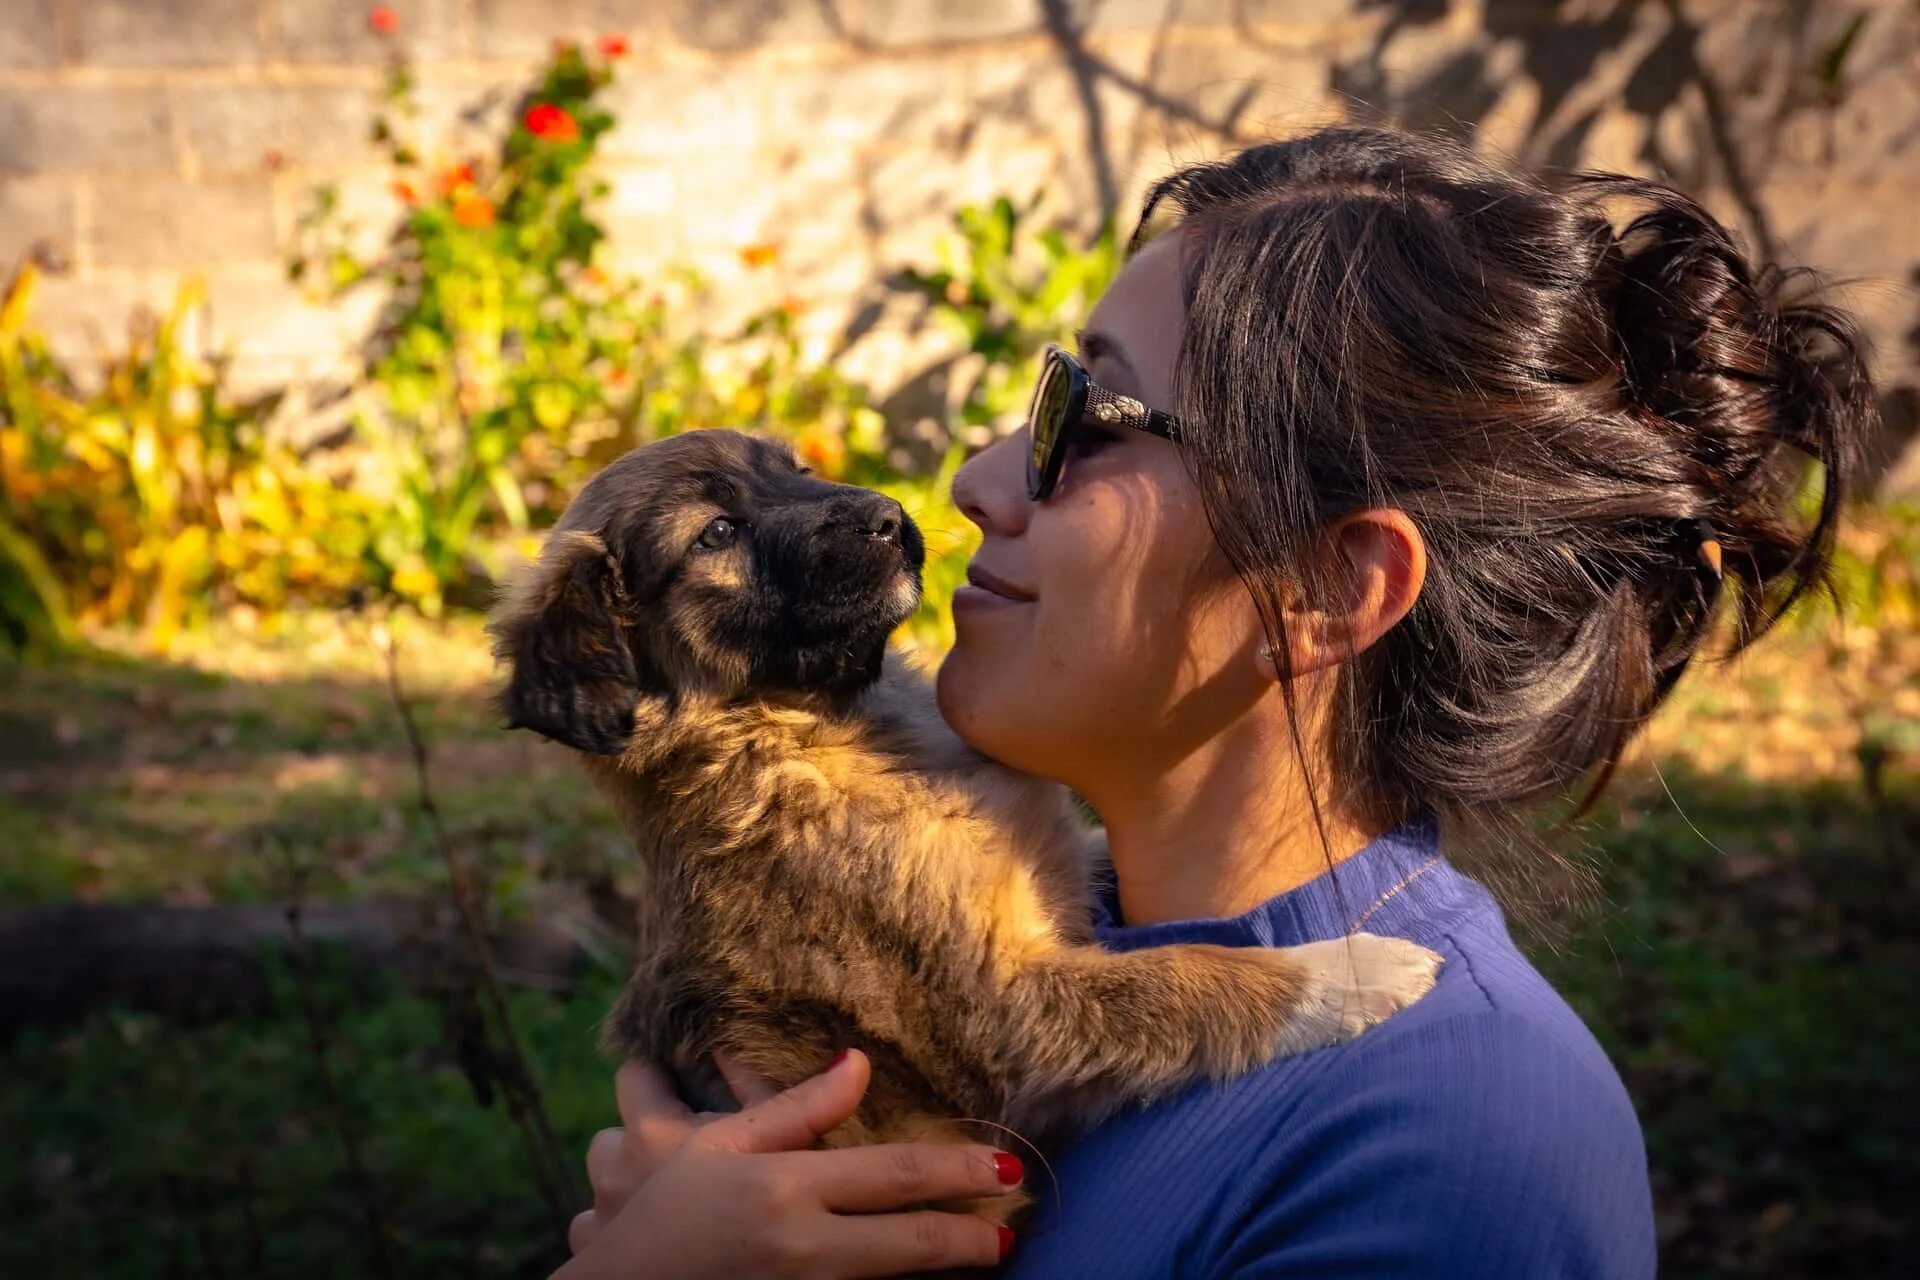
(196, 716)
(507, 366)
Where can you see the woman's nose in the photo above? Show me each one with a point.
(990, 488)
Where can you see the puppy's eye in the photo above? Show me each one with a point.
(719, 533)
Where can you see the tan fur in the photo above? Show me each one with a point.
(823, 873)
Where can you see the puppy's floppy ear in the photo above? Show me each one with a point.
(560, 629)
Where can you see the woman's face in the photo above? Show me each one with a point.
(1129, 640)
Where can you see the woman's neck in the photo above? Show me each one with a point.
(1222, 832)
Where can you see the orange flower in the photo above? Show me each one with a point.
(593, 275)
(405, 192)
(459, 175)
(792, 305)
(613, 46)
(616, 377)
(554, 124)
(756, 256)
(473, 211)
(383, 20)
(821, 449)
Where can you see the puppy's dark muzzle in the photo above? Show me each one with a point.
(872, 517)
(862, 543)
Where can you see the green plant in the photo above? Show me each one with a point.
(1876, 564)
(1006, 291)
(34, 613)
(150, 494)
(510, 365)
(514, 363)
(505, 353)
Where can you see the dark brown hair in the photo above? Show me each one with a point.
(1378, 318)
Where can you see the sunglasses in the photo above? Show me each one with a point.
(1064, 400)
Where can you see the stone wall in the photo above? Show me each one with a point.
(144, 139)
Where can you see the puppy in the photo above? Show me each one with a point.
(826, 863)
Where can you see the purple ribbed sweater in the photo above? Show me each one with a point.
(1481, 1133)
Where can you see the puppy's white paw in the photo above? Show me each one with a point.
(1355, 982)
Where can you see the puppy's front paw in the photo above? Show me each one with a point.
(1354, 982)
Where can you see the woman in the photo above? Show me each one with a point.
(1459, 481)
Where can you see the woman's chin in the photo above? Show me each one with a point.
(951, 689)
(964, 691)
(998, 722)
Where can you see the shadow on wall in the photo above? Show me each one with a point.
(1780, 91)
(1793, 67)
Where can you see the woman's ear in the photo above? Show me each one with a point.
(1376, 565)
(561, 628)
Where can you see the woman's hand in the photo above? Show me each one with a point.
(655, 1123)
(688, 1196)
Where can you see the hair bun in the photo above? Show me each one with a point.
(1755, 377)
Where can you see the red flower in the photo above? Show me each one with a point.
(544, 120)
(613, 46)
(383, 20)
(473, 211)
(404, 190)
(459, 175)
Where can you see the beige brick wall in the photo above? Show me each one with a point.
(144, 139)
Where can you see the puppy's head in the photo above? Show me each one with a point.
(707, 563)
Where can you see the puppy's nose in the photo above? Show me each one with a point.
(879, 517)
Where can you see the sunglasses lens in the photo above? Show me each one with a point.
(1046, 417)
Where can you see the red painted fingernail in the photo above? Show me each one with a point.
(1006, 1242)
(1007, 1168)
(839, 1058)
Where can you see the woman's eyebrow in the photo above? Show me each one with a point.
(1095, 345)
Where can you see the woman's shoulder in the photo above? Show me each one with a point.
(1480, 1132)
(1493, 1051)
(1477, 1133)
(1490, 1008)
(1477, 1069)
(1484, 1125)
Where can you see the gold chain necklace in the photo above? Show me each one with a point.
(1381, 901)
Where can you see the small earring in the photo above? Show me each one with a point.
(1266, 653)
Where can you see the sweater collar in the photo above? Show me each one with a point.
(1398, 878)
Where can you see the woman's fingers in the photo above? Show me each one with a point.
(792, 1119)
(748, 1088)
(891, 1244)
(894, 1174)
(656, 1120)
(644, 1090)
(609, 1171)
(581, 1231)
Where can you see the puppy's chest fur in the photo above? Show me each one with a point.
(822, 880)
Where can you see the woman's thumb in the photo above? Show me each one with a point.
(794, 1119)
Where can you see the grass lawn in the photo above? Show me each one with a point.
(1750, 966)
(198, 779)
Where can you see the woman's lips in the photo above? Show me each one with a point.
(992, 584)
(969, 598)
